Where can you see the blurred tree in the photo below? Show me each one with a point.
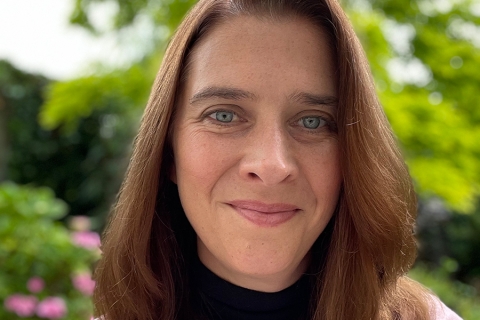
(20, 98)
(444, 234)
(424, 57)
(460, 297)
(81, 162)
(463, 243)
(119, 93)
(424, 63)
(164, 13)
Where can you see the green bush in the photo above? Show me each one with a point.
(45, 269)
(82, 158)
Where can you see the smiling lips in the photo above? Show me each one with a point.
(262, 214)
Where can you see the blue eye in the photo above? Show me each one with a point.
(312, 122)
(223, 116)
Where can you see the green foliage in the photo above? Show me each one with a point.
(458, 296)
(69, 101)
(35, 245)
(20, 97)
(462, 242)
(167, 13)
(435, 119)
(102, 111)
(82, 161)
(439, 144)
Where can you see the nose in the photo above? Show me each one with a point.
(269, 158)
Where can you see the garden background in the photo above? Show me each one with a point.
(64, 146)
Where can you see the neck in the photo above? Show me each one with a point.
(259, 282)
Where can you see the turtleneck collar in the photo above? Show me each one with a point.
(223, 300)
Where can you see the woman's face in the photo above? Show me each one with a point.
(256, 150)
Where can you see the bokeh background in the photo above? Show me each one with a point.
(75, 76)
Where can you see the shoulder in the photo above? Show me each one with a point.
(439, 311)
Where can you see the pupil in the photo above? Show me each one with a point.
(311, 122)
(224, 116)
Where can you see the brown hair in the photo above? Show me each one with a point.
(370, 246)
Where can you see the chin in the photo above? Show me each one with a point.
(265, 275)
(267, 265)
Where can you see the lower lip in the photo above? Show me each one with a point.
(265, 219)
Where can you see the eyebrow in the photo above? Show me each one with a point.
(223, 93)
(229, 93)
(312, 99)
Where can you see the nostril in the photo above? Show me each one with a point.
(252, 175)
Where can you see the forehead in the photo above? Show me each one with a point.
(242, 49)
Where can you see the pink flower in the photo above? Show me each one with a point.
(35, 284)
(22, 305)
(80, 223)
(52, 308)
(83, 282)
(86, 239)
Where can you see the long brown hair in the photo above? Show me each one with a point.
(148, 243)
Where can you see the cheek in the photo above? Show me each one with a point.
(326, 176)
(200, 159)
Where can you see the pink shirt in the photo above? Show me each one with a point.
(441, 312)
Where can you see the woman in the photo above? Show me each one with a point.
(265, 182)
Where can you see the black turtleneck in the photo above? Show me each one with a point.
(222, 300)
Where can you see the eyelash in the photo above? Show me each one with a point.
(330, 124)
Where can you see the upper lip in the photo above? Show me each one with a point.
(263, 207)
